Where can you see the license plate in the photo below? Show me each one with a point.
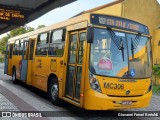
(126, 102)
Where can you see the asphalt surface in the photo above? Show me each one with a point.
(20, 97)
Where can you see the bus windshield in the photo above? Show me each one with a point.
(120, 54)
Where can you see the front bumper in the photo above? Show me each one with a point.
(98, 101)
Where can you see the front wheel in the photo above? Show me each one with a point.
(14, 79)
(53, 92)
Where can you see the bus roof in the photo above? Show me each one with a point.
(76, 19)
(65, 23)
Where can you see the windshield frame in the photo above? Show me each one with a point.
(125, 32)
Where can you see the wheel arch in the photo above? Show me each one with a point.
(50, 78)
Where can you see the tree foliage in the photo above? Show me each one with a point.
(40, 26)
(156, 70)
(3, 43)
(20, 30)
(13, 33)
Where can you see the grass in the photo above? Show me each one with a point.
(156, 89)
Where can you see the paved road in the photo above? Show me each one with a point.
(20, 97)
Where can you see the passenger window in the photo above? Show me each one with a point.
(7, 51)
(31, 49)
(10, 51)
(21, 47)
(16, 48)
(56, 47)
(42, 44)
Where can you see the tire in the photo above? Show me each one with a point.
(53, 92)
(14, 79)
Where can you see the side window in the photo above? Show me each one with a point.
(56, 47)
(32, 42)
(10, 50)
(21, 47)
(16, 48)
(25, 46)
(7, 51)
(42, 44)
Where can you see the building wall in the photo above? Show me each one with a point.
(156, 61)
(143, 11)
(111, 10)
(156, 38)
(146, 12)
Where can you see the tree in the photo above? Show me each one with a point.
(21, 30)
(40, 26)
(13, 33)
(3, 43)
(29, 29)
(156, 73)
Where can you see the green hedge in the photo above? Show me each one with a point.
(1, 59)
(156, 89)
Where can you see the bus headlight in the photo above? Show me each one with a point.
(94, 83)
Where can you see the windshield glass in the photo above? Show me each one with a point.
(130, 57)
(140, 62)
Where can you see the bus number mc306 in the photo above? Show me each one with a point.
(113, 86)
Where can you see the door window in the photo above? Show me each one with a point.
(72, 49)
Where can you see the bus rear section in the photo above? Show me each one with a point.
(120, 64)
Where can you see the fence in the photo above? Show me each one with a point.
(156, 78)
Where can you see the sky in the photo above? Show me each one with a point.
(65, 12)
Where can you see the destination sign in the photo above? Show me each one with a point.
(10, 16)
(121, 23)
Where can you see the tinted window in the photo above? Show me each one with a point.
(16, 48)
(42, 44)
(56, 47)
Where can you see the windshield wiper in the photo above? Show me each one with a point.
(135, 43)
(132, 48)
(137, 40)
(118, 43)
(122, 49)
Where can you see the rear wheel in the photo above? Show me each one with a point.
(14, 79)
(53, 91)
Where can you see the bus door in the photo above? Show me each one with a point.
(30, 60)
(8, 60)
(24, 61)
(75, 66)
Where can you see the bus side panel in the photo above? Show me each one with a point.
(16, 63)
(6, 66)
(10, 67)
(44, 66)
(10, 59)
(58, 70)
(6, 61)
(40, 72)
(29, 72)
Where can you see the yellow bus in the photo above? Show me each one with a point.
(93, 61)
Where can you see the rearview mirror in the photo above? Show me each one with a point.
(90, 32)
